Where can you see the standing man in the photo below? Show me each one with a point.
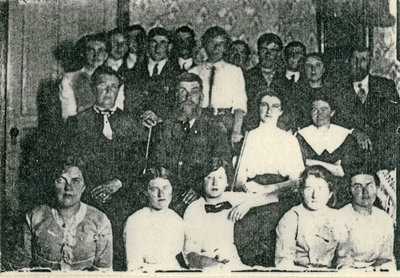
(239, 53)
(223, 83)
(265, 77)
(295, 53)
(155, 80)
(184, 44)
(371, 107)
(186, 142)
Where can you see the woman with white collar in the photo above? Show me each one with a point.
(328, 145)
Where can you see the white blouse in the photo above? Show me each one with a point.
(153, 239)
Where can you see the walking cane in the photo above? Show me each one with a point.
(147, 149)
(239, 160)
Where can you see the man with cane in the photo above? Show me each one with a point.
(186, 141)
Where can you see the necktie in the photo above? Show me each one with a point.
(362, 94)
(186, 127)
(107, 131)
(155, 70)
(293, 79)
(217, 207)
(211, 83)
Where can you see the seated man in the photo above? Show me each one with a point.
(149, 244)
(370, 235)
(223, 83)
(111, 141)
(187, 141)
(209, 240)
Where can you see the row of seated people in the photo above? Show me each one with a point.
(68, 234)
(116, 146)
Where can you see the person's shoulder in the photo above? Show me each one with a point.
(96, 215)
(292, 215)
(382, 216)
(175, 217)
(194, 208)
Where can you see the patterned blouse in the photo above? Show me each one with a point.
(82, 243)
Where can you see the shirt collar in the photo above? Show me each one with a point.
(290, 73)
(114, 64)
(161, 64)
(187, 62)
(101, 110)
(364, 84)
(131, 60)
(218, 64)
(328, 139)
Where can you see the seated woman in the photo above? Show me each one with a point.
(369, 230)
(210, 220)
(154, 235)
(68, 234)
(307, 235)
(270, 155)
(271, 162)
(329, 145)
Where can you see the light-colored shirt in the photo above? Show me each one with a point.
(212, 234)
(78, 82)
(368, 238)
(290, 74)
(185, 64)
(270, 151)
(82, 242)
(228, 90)
(152, 64)
(114, 64)
(131, 60)
(153, 239)
(307, 238)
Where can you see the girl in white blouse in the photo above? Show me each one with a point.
(154, 235)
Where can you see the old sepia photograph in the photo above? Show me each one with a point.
(199, 137)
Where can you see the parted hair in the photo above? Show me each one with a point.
(269, 38)
(104, 70)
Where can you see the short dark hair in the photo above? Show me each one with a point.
(141, 37)
(294, 44)
(241, 42)
(214, 164)
(366, 172)
(326, 97)
(189, 77)
(81, 45)
(112, 33)
(186, 29)
(104, 70)
(318, 56)
(269, 38)
(159, 31)
(62, 164)
(212, 32)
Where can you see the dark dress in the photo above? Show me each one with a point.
(351, 158)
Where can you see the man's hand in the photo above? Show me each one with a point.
(239, 212)
(363, 140)
(150, 119)
(189, 196)
(103, 192)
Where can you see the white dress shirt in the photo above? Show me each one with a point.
(290, 73)
(131, 60)
(114, 64)
(270, 150)
(185, 64)
(229, 86)
(160, 65)
(153, 239)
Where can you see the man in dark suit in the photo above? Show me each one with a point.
(370, 106)
(294, 53)
(184, 44)
(266, 77)
(152, 88)
(110, 142)
(186, 142)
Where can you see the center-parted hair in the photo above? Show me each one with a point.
(189, 77)
(318, 172)
(294, 44)
(159, 31)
